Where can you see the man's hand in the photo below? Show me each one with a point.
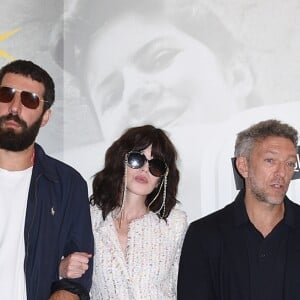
(63, 295)
(74, 265)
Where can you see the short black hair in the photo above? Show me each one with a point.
(29, 69)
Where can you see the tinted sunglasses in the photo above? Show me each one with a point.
(136, 160)
(28, 99)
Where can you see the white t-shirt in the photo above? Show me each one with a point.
(14, 187)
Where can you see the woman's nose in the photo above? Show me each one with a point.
(145, 167)
(137, 85)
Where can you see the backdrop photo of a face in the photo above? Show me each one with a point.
(201, 70)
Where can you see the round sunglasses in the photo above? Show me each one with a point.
(28, 99)
(136, 160)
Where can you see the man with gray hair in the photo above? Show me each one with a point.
(251, 248)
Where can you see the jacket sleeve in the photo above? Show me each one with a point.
(194, 277)
(79, 237)
(70, 286)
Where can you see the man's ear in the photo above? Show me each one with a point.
(46, 117)
(242, 166)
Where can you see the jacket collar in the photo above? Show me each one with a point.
(43, 164)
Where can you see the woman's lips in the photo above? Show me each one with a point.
(141, 179)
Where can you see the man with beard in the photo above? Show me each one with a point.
(249, 250)
(44, 208)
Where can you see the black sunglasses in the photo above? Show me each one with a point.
(28, 99)
(136, 160)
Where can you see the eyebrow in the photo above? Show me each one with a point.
(278, 152)
(153, 45)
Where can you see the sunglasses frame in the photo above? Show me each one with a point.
(13, 91)
(149, 161)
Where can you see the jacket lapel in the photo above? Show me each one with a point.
(292, 276)
(236, 264)
(236, 281)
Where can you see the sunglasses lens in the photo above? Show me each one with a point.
(6, 94)
(30, 100)
(157, 167)
(135, 160)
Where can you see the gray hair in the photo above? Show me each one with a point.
(247, 138)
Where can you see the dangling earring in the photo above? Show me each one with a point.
(121, 209)
(163, 205)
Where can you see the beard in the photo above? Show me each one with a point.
(261, 194)
(256, 191)
(18, 141)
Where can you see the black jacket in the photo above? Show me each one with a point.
(214, 261)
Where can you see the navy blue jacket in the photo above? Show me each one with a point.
(214, 262)
(57, 223)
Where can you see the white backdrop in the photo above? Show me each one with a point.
(202, 70)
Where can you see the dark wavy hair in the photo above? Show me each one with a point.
(72, 35)
(29, 69)
(108, 183)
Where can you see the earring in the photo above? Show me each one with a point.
(163, 205)
(121, 209)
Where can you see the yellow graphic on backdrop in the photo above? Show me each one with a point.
(5, 36)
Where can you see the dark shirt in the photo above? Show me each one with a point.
(267, 256)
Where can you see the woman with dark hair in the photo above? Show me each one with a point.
(130, 150)
(138, 231)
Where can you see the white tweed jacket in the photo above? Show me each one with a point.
(149, 268)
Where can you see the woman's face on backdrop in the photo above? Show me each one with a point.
(147, 71)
